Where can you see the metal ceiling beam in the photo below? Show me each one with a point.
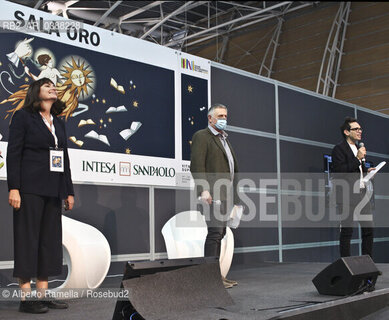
(197, 14)
(216, 15)
(86, 9)
(237, 4)
(222, 51)
(140, 10)
(232, 21)
(106, 14)
(271, 16)
(184, 7)
(38, 4)
(333, 52)
(272, 47)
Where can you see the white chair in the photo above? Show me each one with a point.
(86, 253)
(185, 234)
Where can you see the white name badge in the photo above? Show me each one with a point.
(56, 160)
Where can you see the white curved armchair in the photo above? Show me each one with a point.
(185, 234)
(86, 253)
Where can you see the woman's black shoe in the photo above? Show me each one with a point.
(32, 307)
(55, 304)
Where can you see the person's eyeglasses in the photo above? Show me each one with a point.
(356, 129)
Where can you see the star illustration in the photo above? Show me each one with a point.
(190, 89)
(135, 104)
(109, 120)
(101, 121)
(128, 151)
(103, 100)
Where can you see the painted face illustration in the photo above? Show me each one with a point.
(78, 78)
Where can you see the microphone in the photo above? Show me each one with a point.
(218, 202)
(361, 145)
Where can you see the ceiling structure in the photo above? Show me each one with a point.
(175, 24)
(315, 45)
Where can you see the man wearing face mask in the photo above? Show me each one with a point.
(214, 168)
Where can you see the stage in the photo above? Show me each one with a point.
(265, 291)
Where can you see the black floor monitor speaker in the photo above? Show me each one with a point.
(347, 276)
(158, 288)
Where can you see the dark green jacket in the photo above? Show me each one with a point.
(209, 162)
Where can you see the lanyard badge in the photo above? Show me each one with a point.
(56, 160)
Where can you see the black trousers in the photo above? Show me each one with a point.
(216, 219)
(346, 231)
(37, 237)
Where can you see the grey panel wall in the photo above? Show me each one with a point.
(250, 101)
(120, 213)
(297, 157)
(309, 127)
(302, 235)
(310, 117)
(375, 132)
(254, 153)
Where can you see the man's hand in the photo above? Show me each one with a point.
(69, 203)
(361, 153)
(370, 169)
(14, 199)
(206, 197)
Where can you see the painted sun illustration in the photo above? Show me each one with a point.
(77, 76)
(77, 86)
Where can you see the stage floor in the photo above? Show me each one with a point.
(265, 291)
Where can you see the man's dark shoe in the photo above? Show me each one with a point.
(32, 307)
(370, 288)
(55, 304)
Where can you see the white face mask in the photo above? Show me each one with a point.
(221, 124)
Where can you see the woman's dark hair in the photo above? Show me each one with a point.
(346, 125)
(32, 102)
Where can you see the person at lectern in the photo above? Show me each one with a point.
(39, 178)
(214, 168)
(348, 159)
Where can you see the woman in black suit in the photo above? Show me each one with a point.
(38, 175)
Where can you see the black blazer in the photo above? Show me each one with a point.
(28, 156)
(346, 167)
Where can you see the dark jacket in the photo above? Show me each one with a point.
(28, 156)
(209, 162)
(345, 167)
